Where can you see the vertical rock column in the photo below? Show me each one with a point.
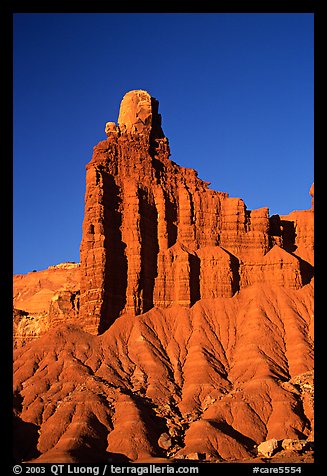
(258, 229)
(216, 273)
(93, 253)
(149, 246)
(233, 223)
(140, 122)
(186, 228)
(115, 263)
(120, 231)
(178, 277)
(131, 236)
(140, 234)
(207, 217)
(103, 288)
(160, 204)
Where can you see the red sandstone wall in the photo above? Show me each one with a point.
(154, 234)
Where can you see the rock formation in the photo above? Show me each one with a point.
(43, 299)
(172, 239)
(194, 334)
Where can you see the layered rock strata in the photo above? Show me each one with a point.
(44, 299)
(154, 234)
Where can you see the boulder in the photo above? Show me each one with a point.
(268, 448)
(294, 445)
(165, 441)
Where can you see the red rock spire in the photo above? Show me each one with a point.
(154, 234)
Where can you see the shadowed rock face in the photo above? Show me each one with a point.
(193, 334)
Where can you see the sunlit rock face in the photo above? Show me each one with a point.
(154, 234)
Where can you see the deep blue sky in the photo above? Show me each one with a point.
(235, 94)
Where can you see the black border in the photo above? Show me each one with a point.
(7, 10)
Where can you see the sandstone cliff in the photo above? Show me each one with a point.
(173, 240)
